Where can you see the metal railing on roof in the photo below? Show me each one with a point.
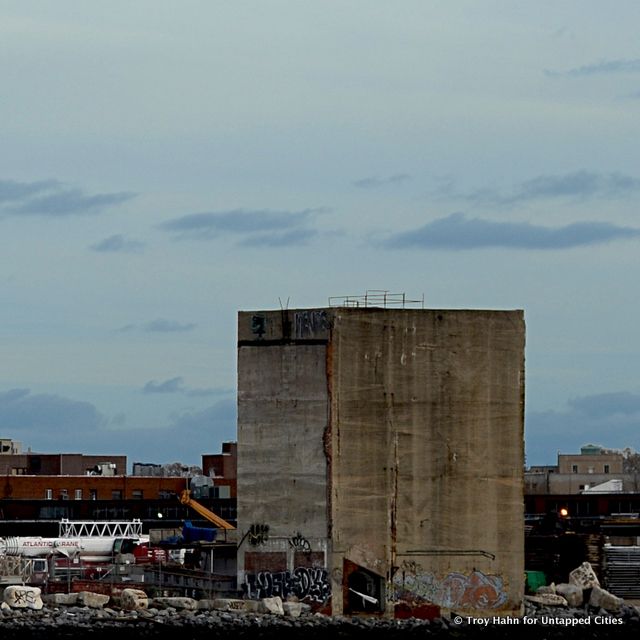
(376, 298)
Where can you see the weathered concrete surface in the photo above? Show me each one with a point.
(427, 435)
(282, 415)
(386, 440)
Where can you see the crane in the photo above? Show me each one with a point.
(185, 498)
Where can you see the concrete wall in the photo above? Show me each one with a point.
(427, 454)
(282, 469)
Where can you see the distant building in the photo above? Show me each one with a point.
(380, 458)
(9, 447)
(223, 467)
(592, 467)
(61, 464)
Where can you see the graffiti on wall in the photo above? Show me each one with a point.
(311, 323)
(455, 590)
(258, 534)
(304, 583)
(299, 543)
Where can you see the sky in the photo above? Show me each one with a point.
(166, 164)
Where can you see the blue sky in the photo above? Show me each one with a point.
(166, 164)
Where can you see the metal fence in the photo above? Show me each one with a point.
(622, 571)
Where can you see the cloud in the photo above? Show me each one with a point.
(602, 67)
(607, 404)
(167, 326)
(374, 182)
(11, 190)
(580, 184)
(200, 422)
(288, 238)
(160, 325)
(201, 393)
(51, 198)
(176, 385)
(71, 202)
(261, 227)
(117, 244)
(54, 424)
(457, 232)
(614, 416)
(173, 385)
(21, 411)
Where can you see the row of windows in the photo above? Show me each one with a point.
(116, 494)
(605, 469)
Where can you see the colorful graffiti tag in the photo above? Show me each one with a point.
(304, 583)
(475, 591)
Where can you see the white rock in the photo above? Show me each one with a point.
(134, 600)
(273, 605)
(18, 597)
(292, 609)
(584, 576)
(92, 600)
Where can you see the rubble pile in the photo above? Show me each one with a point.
(578, 609)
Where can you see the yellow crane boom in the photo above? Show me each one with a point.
(185, 498)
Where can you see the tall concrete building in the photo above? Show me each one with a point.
(380, 458)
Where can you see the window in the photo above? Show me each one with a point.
(78, 494)
(136, 494)
(93, 494)
(64, 494)
(574, 468)
(606, 468)
(48, 494)
(116, 494)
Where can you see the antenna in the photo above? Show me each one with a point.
(286, 307)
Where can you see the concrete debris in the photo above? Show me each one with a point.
(227, 604)
(273, 605)
(603, 599)
(92, 600)
(292, 609)
(176, 603)
(63, 599)
(547, 588)
(547, 600)
(70, 622)
(573, 594)
(584, 576)
(134, 600)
